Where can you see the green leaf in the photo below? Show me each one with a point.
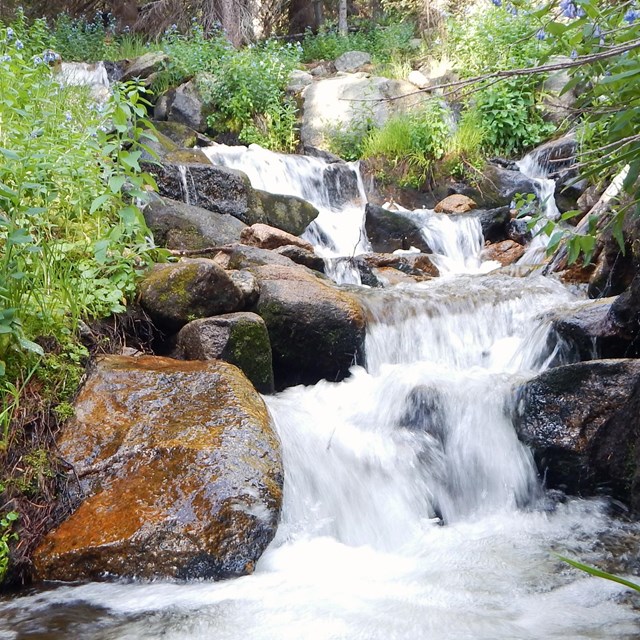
(593, 571)
(99, 202)
(9, 155)
(116, 183)
(31, 346)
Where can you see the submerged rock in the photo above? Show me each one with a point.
(179, 471)
(506, 252)
(174, 294)
(316, 330)
(583, 422)
(238, 338)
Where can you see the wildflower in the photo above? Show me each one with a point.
(19, 45)
(574, 54)
(513, 11)
(631, 16)
(68, 117)
(37, 60)
(541, 34)
(10, 34)
(5, 58)
(497, 3)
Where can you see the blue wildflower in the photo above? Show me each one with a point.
(19, 45)
(569, 9)
(68, 117)
(631, 16)
(574, 54)
(5, 58)
(497, 3)
(10, 34)
(541, 34)
(513, 11)
(37, 60)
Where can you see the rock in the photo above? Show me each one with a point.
(518, 231)
(390, 277)
(389, 231)
(174, 294)
(289, 213)
(187, 107)
(302, 256)
(341, 185)
(335, 104)
(352, 61)
(145, 65)
(416, 265)
(582, 422)
(266, 237)
(327, 156)
(506, 252)
(322, 69)
(179, 470)
(239, 338)
(217, 189)
(161, 108)
(180, 134)
(591, 331)
(588, 199)
(557, 104)
(419, 79)
(494, 222)
(176, 225)
(247, 285)
(298, 80)
(497, 187)
(241, 256)
(625, 316)
(316, 330)
(456, 203)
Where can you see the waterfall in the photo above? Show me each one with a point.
(411, 510)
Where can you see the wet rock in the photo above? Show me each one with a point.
(352, 61)
(389, 231)
(518, 231)
(302, 256)
(316, 330)
(494, 223)
(174, 294)
(179, 470)
(582, 420)
(456, 203)
(497, 187)
(413, 264)
(591, 330)
(145, 65)
(625, 316)
(182, 135)
(341, 184)
(266, 237)
(176, 225)
(211, 187)
(239, 338)
(289, 213)
(506, 252)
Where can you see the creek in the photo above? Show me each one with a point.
(411, 510)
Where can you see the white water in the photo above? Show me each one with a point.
(373, 466)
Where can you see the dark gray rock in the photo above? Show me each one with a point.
(341, 184)
(518, 231)
(583, 422)
(497, 187)
(239, 338)
(187, 107)
(145, 65)
(302, 256)
(494, 222)
(176, 225)
(288, 213)
(241, 256)
(388, 231)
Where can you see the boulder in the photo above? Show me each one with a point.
(495, 223)
(179, 474)
(518, 231)
(239, 338)
(341, 185)
(336, 104)
(389, 231)
(625, 316)
(180, 134)
(187, 107)
(247, 285)
(298, 80)
(174, 294)
(456, 203)
(316, 330)
(352, 61)
(506, 252)
(417, 265)
(266, 237)
(176, 225)
(557, 104)
(289, 213)
(583, 423)
(591, 331)
(497, 187)
(145, 65)
(208, 186)
(302, 256)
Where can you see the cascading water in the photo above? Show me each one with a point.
(410, 511)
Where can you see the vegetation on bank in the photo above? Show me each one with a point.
(72, 239)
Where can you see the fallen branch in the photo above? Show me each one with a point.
(182, 253)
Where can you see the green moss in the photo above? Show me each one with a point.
(250, 349)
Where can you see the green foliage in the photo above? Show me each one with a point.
(383, 43)
(593, 571)
(464, 158)
(7, 535)
(508, 114)
(247, 95)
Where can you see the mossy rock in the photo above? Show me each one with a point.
(288, 213)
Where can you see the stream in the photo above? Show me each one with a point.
(411, 510)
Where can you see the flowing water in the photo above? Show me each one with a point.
(411, 510)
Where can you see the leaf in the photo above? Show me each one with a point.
(3, 368)
(31, 346)
(10, 155)
(116, 183)
(574, 250)
(99, 202)
(593, 571)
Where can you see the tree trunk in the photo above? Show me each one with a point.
(343, 28)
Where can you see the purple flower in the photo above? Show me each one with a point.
(10, 33)
(19, 45)
(541, 34)
(497, 3)
(631, 16)
(569, 9)
(574, 54)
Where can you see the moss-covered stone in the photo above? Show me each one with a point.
(289, 213)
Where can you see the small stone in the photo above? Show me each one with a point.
(267, 237)
(506, 252)
(456, 203)
(352, 61)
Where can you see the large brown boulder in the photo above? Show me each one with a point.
(316, 330)
(174, 294)
(179, 473)
(583, 423)
(267, 237)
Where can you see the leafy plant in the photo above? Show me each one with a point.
(7, 534)
(593, 571)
